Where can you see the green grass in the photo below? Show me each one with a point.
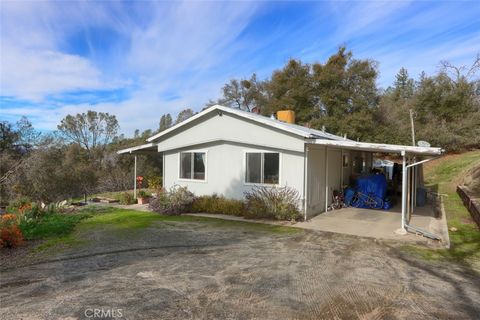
(58, 242)
(124, 219)
(444, 175)
(51, 225)
(61, 230)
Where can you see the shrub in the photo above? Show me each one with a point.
(143, 194)
(50, 225)
(32, 211)
(218, 204)
(154, 182)
(19, 204)
(10, 234)
(175, 201)
(280, 203)
(126, 198)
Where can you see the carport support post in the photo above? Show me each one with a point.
(135, 178)
(404, 189)
(305, 182)
(326, 179)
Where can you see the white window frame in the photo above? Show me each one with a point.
(280, 156)
(180, 166)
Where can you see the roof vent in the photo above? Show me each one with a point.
(287, 116)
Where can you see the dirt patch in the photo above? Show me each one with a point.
(199, 271)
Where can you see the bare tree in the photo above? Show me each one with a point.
(89, 130)
(459, 72)
(242, 94)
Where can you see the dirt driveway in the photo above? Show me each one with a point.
(207, 269)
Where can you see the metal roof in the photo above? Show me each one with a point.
(313, 136)
(144, 148)
(378, 147)
(288, 127)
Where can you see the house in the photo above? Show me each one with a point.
(227, 151)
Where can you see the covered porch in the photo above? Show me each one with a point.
(145, 149)
(330, 165)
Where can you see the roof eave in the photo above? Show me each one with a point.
(378, 147)
(149, 147)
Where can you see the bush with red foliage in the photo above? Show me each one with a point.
(10, 234)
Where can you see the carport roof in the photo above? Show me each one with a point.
(377, 147)
(142, 149)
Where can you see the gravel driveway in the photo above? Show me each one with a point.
(210, 270)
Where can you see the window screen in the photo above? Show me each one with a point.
(254, 168)
(199, 165)
(192, 165)
(271, 164)
(262, 168)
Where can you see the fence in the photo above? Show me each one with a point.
(472, 204)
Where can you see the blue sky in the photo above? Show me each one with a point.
(139, 60)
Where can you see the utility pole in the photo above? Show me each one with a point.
(413, 127)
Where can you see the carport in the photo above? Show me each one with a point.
(143, 149)
(329, 165)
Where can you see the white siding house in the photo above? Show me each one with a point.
(227, 151)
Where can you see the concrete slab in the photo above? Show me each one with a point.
(377, 224)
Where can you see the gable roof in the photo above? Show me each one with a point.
(274, 123)
(312, 136)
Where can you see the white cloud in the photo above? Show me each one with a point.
(35, 74)
(179, 54)
(176, 51)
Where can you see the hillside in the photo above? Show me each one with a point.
(444, 175)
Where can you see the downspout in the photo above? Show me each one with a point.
(305, 181)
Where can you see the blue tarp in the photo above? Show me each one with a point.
(372, 185)
(348, 196)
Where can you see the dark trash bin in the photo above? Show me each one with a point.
(421, 196)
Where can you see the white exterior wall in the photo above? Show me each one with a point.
(233, 129)
(315, 180)
(324, 169)
(225, 169)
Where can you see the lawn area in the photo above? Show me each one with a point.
(125, 219)
(66, 230)
(444, 175)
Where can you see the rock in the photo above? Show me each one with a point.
(453, 229)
